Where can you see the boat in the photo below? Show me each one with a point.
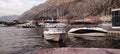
(3, 25)
(86, 32)
(106, 25)
(54, 30)
(25, 26)
(28, 25)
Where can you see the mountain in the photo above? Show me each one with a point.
(71, 9)
(9, 18)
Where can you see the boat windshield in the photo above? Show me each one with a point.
(55, 25)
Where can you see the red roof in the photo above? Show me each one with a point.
(90, 17)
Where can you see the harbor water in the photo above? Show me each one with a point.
(15, 40)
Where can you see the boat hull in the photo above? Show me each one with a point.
(53, 37)
(88, 36)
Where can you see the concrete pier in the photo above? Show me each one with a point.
(113, 33)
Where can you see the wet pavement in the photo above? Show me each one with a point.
(76, 51)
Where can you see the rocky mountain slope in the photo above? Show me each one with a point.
(71, 9)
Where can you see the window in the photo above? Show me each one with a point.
(116, 13)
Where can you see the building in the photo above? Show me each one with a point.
(63, 19)
(115, 18)
(106, 18)
(92, 19)
(66, 20)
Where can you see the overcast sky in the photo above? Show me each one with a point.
(17, 7)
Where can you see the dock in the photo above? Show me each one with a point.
(113, 33)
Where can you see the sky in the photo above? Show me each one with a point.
(17, 7)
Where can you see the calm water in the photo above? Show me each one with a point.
(18, 40)
(15, 40)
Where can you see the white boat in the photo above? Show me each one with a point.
(54, 30)
(106, 25)
(2, 25)
(28, 25)
(87, 32)
(25, 25)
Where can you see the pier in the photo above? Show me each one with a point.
(113, 33)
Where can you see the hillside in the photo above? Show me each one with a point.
(71, 9)
(9, 18)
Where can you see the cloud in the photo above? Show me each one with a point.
(17, 7)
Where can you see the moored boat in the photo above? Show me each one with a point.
(87, 32)
(28, 25)
(54, 30)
